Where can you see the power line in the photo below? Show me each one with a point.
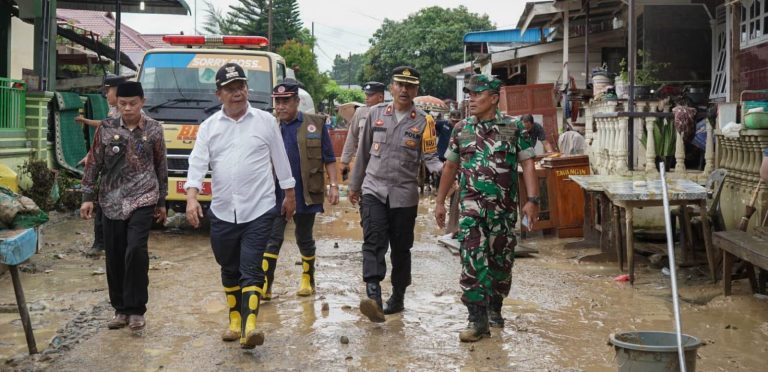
(340, 45)
(344, 31)
(366, 15)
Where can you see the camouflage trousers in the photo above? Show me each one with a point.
(487, 254)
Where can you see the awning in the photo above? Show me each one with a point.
(532, 35)
(99, 48)
(129, 6)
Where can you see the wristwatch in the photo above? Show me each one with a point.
(535, 200)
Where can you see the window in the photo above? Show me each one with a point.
(754, 19)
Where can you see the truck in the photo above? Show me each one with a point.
(179, 87)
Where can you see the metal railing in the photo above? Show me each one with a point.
(13, 103)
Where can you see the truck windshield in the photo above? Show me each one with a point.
(192, 76)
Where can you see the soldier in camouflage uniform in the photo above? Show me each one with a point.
(485, 149)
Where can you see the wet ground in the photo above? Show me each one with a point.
(559, 315)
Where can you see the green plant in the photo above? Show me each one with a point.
(623, 73)
(647, 74)
(664, 137)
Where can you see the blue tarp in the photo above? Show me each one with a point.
(16, 246)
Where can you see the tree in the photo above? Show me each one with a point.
(216, 22)
(347, 70)
(299, 56)
(427, 40)
(251, 17)
(341, 94)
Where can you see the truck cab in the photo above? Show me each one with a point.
(179, 87)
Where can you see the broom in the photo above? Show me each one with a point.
(750, 208)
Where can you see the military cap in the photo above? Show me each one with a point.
(406, 74)
(287, 88)
(479, 83)
(112, 80)
(373, 87)
(228, 73)
(130, 89)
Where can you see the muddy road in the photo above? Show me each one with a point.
(559, 314)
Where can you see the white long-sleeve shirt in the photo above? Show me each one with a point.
(242, 155)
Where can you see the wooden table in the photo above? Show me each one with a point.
(597, 214)
(16, 246)
(628, 195)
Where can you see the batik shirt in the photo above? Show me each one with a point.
(130, 165)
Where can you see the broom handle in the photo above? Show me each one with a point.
(672, 267)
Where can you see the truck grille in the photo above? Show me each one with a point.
(178, 165)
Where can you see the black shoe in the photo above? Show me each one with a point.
(478, 324)
(95, 251)
(494, 312)
(395, 303)
(371, 306)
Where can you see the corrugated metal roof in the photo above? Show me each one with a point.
(532, 35)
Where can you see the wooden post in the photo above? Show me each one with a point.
(23, 311)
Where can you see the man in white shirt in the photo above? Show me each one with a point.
(243, 146)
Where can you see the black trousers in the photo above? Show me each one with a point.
(304, 224)
(98, 227)
(384, 226)
(125, 243)
(239, 249)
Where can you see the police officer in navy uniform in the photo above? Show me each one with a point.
(395, 139)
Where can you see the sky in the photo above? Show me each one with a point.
(341, 26)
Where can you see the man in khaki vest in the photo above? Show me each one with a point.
(310, 153)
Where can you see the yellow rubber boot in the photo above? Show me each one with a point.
(269, 264)
(250, 336)
(307, 285)
(234, 297)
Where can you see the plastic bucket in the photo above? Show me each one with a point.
(653, 351)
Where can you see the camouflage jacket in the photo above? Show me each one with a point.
(488, 152)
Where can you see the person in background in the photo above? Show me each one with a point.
(374, 94)
(111, 82)
(764, 166)
(310, 151)
(536, 131)
(243, 147)
(129, 162)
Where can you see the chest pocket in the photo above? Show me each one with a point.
(379, 138)
(467, 145)
(504, 147)
(409, 144)
(314, 148)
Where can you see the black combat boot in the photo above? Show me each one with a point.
(371, 306)
(395, 302)
(494, 312)
(478, 324)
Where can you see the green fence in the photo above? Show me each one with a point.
(13, 103)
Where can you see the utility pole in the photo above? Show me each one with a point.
(313, 37)
(349, 74)
(195, 15)
(269, 25)
(118, 25)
